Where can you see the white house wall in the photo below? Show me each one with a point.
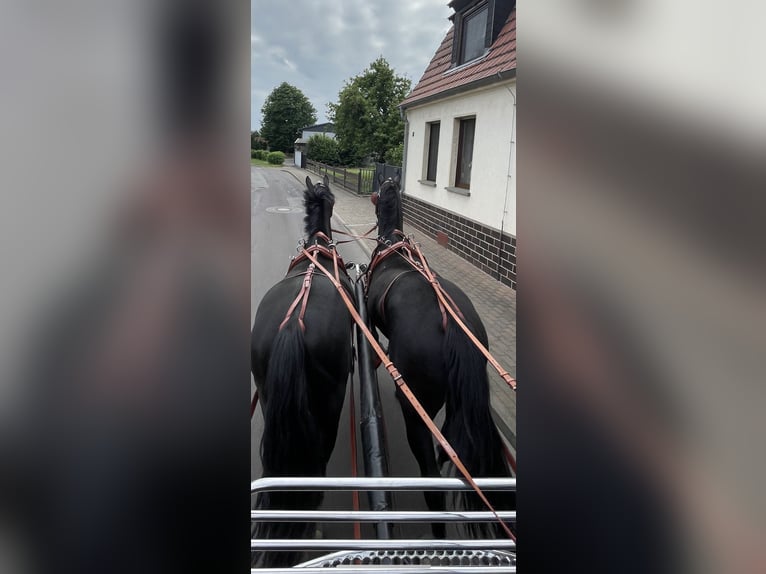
(492, 199)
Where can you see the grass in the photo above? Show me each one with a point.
(262, 163)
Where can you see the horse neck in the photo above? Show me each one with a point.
(390, 223)
(323, 228)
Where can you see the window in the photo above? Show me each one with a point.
(473, 31)
(465, 153)
(433, 150)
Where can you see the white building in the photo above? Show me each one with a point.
(326, 129)
(460, 150)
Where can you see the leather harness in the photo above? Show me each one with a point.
(303, 295)
(410, 253)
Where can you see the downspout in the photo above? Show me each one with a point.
(403, 115)
(508, 179)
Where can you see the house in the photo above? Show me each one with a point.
(460, 144)
(326, 129)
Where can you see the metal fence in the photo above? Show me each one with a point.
(358, 180)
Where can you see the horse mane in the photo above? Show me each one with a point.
(389, 211)
(313, 199)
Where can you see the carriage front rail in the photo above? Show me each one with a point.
(413, 556)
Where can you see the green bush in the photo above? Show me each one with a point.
(323, 149)
(276, 158)
(261, 154)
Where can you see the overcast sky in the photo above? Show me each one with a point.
(316, 45)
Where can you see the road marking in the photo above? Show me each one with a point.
(283, 209)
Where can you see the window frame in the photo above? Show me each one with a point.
(428, 149)
(459, 34)
(460, 141)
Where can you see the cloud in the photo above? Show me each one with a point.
(316, 46)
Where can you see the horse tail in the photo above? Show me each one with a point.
(290, 445)
(469, 428)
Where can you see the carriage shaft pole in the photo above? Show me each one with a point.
(374, 447)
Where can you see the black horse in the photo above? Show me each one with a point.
(438, 362)
(301, 356)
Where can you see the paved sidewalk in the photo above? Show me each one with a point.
(495, 302)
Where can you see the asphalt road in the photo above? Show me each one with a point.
(277, 226)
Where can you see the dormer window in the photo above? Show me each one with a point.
(473, 34)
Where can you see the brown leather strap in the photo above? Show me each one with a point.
(444, 299)
(303, 296)
(383, 254)
(417, 265)
(328, 252)
(355, 237)
(441, 295)
(397, 377)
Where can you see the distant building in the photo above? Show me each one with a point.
(326, 129)
(460, 144)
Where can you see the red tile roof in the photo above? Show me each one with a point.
(437, 78)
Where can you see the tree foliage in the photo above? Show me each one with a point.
(394, 156)
(323, 149)
(257, 142)
(366, 116)
(285, 112)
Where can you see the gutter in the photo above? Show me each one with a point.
(489, 80)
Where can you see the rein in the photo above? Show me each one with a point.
(452, 309)
(404, 388)
(354, 237)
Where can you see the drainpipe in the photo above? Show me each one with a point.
(508, 179)
(403, 115)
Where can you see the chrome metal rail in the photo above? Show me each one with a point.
(372, 516)
(285, 483)
(392, 556)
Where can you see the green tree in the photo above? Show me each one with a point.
(395, 155)
(256, 141)
(366, 116)
(323, 149)
(285, 112)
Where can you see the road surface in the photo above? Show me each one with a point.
(277, 226)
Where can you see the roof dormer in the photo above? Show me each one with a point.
(477, 24)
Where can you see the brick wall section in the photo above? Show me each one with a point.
(476, 243)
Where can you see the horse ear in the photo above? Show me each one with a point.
(397, 177)
(380, 177)
(309, 184)
(326, 181)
